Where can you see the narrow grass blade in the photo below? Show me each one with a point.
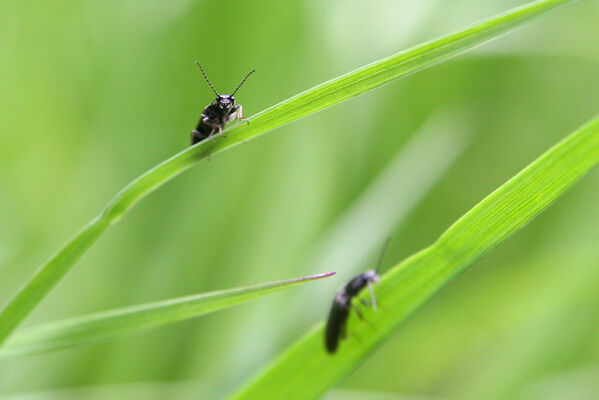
(113, 324)
(306, 370)
(318, 98)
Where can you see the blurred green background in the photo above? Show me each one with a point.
(95, 93)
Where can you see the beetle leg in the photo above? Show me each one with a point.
(239, 114)
(372, 298)
(358, 311)
(215, 131)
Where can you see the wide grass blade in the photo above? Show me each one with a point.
(325, 95)
(306, 370)
(112, 324)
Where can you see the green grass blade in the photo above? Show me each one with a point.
(306, 371)
(320, 97)
(113, 324)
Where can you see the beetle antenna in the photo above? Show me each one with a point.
(207, 80)
(243, 81)
(380, 261)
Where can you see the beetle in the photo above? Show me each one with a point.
(222, 110)
(337, 321)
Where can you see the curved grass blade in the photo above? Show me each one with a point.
(318, 98)
(298, 372)
(113, 324)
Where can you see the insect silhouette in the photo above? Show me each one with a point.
(337, 322)
(222, 110)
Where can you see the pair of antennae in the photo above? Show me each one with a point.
(380, 261)
(212, 87)
(376, 271)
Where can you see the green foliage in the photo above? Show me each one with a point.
(333, 92)
(410, 283)
(111, 324)
(95, 93)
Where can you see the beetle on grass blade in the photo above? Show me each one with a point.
(222, 110)
(337, 322)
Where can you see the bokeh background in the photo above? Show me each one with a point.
(94, 93)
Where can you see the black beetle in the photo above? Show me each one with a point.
(339, 313)
(222, 110)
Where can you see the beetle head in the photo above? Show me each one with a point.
(370, 276)
(225, 101)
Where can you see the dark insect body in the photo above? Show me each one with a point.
(337, 322)
(222, 110)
